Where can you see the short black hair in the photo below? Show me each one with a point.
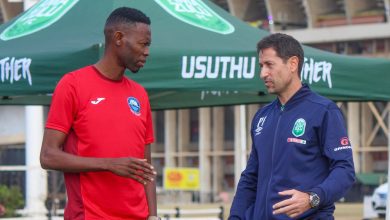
(121, 16)
(127, 15)
(285, 47)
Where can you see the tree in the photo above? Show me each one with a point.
(11, 198)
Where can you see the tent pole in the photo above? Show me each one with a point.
(243, 136)
(240, 146)
(204, 152)
(36, 177)
(354, 131)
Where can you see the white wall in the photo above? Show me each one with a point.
(12, 124)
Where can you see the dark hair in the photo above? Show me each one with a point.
(285, 47)
(123, 15)
(127, 15)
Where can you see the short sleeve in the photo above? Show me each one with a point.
(149, 136)
(63, 108)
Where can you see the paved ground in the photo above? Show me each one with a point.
(349, 211)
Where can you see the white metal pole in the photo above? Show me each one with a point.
(36, 177)
(243, 136)
(240, 148)
(204, 154)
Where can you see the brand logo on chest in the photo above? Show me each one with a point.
(134, 105)
(97, 100)
(299, 127)
(260, 125)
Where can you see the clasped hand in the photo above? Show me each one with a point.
(297, 203)
(135, 168)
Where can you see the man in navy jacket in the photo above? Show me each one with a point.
(301, 160)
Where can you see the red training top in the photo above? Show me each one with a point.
(102, 118)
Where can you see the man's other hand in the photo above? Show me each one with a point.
(297, 203)
(135, 168)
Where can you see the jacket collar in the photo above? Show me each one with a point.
(296, 98)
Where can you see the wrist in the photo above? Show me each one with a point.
(106, 164)
(314, 200)
(154, 218)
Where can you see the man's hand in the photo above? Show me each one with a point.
(297, 204)
(137, 169)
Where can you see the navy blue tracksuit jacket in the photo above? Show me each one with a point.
(302, 145)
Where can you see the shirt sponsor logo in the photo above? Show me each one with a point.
(198, 14)
(41, 15)
(260, 125)
(134, 105)
(296, 140)
(15, 70)
(221, 67)
(299, 127)
(314, 71)
(344, 141)
(342, 148)
(97, 101)
(345, 144)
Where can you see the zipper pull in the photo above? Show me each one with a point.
(282, 108)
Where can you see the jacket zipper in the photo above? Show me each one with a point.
(272, 160)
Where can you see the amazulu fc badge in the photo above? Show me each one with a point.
(134, 105)
(299, 127)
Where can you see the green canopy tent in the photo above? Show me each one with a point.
(200, 55)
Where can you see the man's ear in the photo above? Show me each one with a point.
(293, 63)
(118, 35)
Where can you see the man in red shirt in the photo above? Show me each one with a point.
(99, 129)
